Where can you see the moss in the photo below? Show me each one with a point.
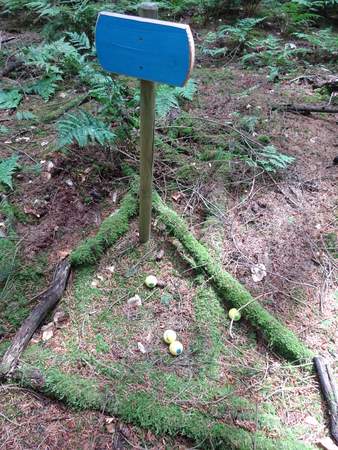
(279, 337)
(208, 315)
(331, 244)
(90, 251)
(143, 409)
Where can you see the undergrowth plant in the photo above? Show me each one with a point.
(228, 39)
(83, 128)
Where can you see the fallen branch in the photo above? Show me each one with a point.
(306, 109)
(55, 113)
(143, 409)
(48, 300)
(330, 392)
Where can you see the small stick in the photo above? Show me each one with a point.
(48, 300)
(330, 392)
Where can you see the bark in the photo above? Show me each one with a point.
(306, 109)
(48, 300)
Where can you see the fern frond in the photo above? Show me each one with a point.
(4, 130)
(271, 160)
(84, 129)
(45, 87)
(25, 115)
(43, 8)
(7, 168)
(10, 99)
(188, 91)
(79, 40)
(167, 97)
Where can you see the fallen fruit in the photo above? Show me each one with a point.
(176, 348)
(151, 281)
(234, 314)
(169, 336)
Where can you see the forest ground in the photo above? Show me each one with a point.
(244, 215)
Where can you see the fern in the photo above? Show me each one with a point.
(45, 87)
(84, 129)
(53, 58)
(168, 97)
(188, 91)
(43, 8)
(4, 130)
(271, 160)
(80, 41)
(322, 40)
(25, 115)
(10, 99)
(7, 168)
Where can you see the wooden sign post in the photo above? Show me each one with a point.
(154, 51)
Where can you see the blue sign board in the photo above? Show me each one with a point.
(147, 49)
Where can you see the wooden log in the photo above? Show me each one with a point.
(330, 393)
(306, 109)
(149, 10)
(48, 300)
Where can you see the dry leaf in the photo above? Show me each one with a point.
(60, 318)
(160, 255)
(111, 269)
(176, 196)
(141, 347)
(110, 424)
(134, 302)
(258, 272)
(47, 331)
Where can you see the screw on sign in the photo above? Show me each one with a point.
(154, 51)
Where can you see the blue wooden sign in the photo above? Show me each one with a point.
(147, 49)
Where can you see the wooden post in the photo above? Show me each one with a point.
(149, 10)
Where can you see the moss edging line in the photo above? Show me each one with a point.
(112, 228)
(144, 410)
(278, 336)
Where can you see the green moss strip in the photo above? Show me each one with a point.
(208, 315)
(112, 228)
(278, 336)
(144, 410)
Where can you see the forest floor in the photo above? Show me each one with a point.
(245, 216)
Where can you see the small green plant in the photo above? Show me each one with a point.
(273, 53)
(10, 99)
(168, 97)
(45, 87)
(270, 159)
(324, 43)
(7, 169)
(84, 129)
(25, 115)
(230, 38)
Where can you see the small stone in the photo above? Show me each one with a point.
(161, 284)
